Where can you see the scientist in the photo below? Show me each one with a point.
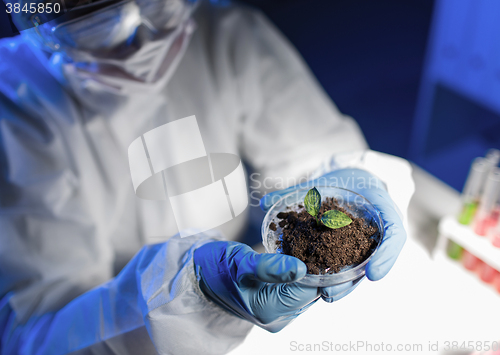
(74, 93)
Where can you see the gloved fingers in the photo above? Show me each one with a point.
(273, 268)
(394, 234)
(279, 268)
(387, 253)
(282, 322)
(383, 203)
(306, 307)
(294, 296)
(279, 301)
(276, 326)
(334, 293)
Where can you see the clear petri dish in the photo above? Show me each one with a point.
(354, 203)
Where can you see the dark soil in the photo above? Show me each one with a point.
(322, 249)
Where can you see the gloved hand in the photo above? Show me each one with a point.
(374, 190)
(253, 286)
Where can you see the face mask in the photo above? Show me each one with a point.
(120, 49)
(146, 70)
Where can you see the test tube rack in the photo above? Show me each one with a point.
(451, 230)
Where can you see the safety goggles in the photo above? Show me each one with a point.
(107, 24)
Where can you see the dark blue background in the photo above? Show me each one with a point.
(367, 54)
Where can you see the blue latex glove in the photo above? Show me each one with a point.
(253, 286)
(374, 190)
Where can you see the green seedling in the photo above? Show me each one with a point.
(332, 219)
(312, 202)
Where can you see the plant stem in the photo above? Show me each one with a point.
(317, 220)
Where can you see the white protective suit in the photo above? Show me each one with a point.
(68, 214)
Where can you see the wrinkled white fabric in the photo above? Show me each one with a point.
(68, 215)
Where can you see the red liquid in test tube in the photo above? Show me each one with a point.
(483, 224)
(487, 273)
(495, 233)
(469, 261)
(495, 238)
(496, 282)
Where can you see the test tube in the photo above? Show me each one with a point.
(470, 261)
(487, 273)
(454, 250)
(493, 157)
(496, 282)
(495, 234)
(488, 212)
(472, 189)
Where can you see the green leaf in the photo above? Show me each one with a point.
(335, 219)
(312, 202)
